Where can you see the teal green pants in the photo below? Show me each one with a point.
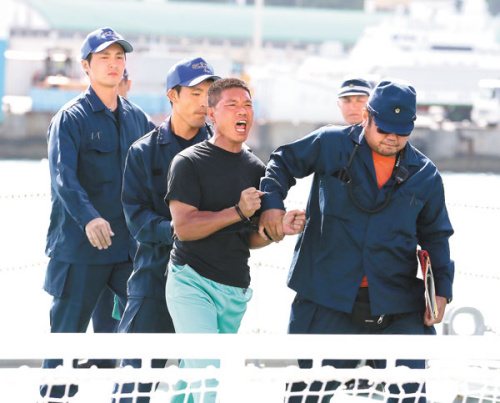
(199, 305)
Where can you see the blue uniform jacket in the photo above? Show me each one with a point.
(340, 243)
(86, 160)
(148, 216)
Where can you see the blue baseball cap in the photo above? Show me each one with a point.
(355, 86)
(100, 39)
(189, 72)
(394, 106)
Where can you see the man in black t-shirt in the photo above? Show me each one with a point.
(213, 196)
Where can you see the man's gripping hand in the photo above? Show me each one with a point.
(250, 201)
(272, 222)
(441, 305)
(99, 233)
(294, 222)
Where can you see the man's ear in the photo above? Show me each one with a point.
(172, 95)
(365, 115)
(85, 66)
(211, 115)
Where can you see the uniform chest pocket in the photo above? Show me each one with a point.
(99, 142)
(99, 158)
(334, 196)
(409, 200)
(406, 206)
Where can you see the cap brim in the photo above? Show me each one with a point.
(391, 127)
(199, 79)
(127, 47)
(350, 93)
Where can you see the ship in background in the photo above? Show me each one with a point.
(294, 59)
(443, 48)
(486, 106)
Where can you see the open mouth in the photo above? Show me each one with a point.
(241, 126)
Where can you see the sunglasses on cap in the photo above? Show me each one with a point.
(397, 134)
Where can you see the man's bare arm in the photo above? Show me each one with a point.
(192, 224)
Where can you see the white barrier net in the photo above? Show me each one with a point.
(255, 368)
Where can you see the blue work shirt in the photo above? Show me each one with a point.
(87, 156)
(148, 216)
(340, 243)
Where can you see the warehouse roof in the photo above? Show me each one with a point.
(210, 20)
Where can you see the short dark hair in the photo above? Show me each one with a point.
(215, 90)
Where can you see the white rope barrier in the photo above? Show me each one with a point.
(296, 203)
(39, 195)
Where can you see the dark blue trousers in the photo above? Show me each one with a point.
(103, 322)
(307, 317)
(102, 318)
(144, 315)
(71, 310)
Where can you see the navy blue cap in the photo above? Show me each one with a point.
(100, 39)
(394, 106)
(355, 86)
(189, 72)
